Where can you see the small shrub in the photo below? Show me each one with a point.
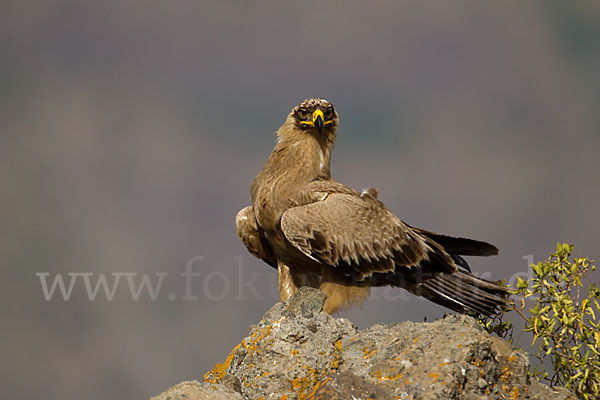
(564, 321)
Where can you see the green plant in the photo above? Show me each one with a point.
(496, 325)
(564, 321)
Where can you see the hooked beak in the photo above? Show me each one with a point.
(318, 119)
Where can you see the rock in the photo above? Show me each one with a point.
(307, 303)
(194, 390)
(346, 385)
(299, 352)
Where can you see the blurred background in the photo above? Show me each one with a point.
(130, 132)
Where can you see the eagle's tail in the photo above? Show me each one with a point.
(460, 246)
(462, 292)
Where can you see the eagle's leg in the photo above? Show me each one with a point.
(342, 291)
(290, 279)
(287, 287)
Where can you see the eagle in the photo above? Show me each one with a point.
(318, 232)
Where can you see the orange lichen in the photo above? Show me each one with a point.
(369, 351)
(313, 393)
(302, 384)
(220, 370)
(435, 376)
(266, 373)
(338, 349)
(388, 374)
(506, 374)
(399, 356)
(316, 378)
(255, 338)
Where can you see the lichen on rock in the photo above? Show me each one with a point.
(299, 352)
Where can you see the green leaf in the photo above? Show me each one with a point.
(521, 283)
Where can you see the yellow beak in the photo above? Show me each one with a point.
(318, 120)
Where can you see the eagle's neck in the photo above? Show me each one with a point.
(298, 158)
(301, 155)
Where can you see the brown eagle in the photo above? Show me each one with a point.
(320, 233)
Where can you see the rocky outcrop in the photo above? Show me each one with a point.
(299, 352)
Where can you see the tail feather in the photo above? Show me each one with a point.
(435, 292)
(471, 295)
(462, 292)
(445, 278)
(461, 246)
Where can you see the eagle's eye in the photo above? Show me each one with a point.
(302, 113)
(329, 113)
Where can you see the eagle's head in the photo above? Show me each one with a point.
(316, 115)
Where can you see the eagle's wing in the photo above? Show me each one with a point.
(358, 235)
(248, 232)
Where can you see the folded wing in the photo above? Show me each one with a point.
(359, 236)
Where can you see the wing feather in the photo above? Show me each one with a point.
(248, 232)
(357, 231)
